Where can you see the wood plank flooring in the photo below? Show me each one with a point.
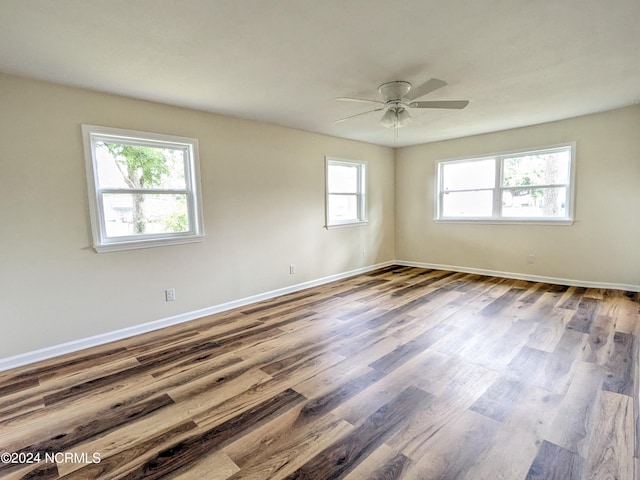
(401, 373)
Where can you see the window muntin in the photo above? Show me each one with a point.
(345, 188)
(143, 188)
(528, 186)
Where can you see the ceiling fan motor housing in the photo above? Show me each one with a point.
(394, 91)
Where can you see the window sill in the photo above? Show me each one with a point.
(514, 221)
(345, 225)
(147, 243)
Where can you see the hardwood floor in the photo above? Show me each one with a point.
(399, 373)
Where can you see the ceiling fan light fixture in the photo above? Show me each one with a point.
(389, 119)
(404, 117)
(395, 118)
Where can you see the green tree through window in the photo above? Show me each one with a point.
(140, 167)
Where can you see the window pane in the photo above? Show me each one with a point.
(467, 204)
(534, 202)
(343, 179)
(143, 214)
(343, 208)
(469, 175)
(136, 166)
(541, 169)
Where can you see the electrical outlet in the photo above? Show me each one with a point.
(531, 258)
(364, 253)
(170, 294)
(292, 269)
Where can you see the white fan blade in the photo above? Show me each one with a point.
(360, 100)
(427, 87)
(357, 115)
(454, 104)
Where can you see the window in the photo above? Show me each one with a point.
(524, 186)
(346, 186)
(143, 188)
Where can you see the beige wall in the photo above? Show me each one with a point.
(263, 197)
(603, 244)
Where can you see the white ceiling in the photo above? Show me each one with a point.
(518, 62)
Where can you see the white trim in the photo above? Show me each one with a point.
(96, 340)
(522, 276)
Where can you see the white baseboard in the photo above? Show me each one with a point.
(81, 344)
(522, 276)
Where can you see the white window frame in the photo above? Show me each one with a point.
(361, 193)
(103, 243)
(498, 188)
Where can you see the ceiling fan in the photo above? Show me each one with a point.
(398, 97)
